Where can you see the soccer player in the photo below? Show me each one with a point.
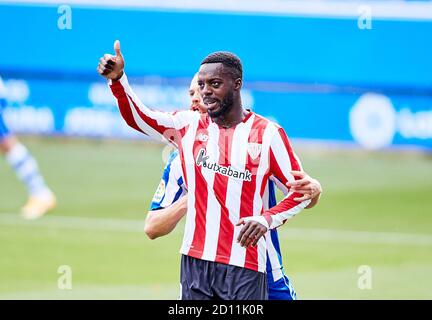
(169, 205)
(227, 156)
(41, 198)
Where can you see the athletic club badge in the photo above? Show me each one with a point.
(254, 150)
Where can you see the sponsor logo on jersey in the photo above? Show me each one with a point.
(159, 192)
(202, 160)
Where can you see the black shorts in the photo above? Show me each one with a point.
(208, 280)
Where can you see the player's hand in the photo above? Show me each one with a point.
(310, 188)
(251, 232)
(111, 67)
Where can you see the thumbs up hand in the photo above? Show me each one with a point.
(111, 67)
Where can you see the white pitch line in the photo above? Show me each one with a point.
(137, 226)
(76, 223)
(353, 236)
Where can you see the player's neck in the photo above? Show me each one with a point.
(232, 118)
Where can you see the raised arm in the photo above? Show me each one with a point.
(161, 126)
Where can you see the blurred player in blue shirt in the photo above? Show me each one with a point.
(41, 198)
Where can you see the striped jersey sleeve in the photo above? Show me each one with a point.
(160, 126)
(171, 186)
(282, 161)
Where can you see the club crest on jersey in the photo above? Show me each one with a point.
(202, 160)
(254, 150)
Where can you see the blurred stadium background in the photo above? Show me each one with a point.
(350, 81)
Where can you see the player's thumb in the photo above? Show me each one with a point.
(240, 222)
(117, 49)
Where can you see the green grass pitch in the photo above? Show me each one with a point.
(376, 211)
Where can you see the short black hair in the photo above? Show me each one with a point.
(229, 60)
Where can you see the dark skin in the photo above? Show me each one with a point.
(112, 67)
(251, 232)
(221, 95)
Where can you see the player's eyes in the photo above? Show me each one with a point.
(216, 84)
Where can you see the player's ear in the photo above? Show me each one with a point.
(238, 84)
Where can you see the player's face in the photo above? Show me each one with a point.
(216, 87)
(195, 96)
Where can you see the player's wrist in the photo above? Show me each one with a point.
(260, 219)
(119, 76)
(267, 216)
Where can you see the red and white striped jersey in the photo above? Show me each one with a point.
(226, 172)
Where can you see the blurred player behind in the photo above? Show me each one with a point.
(41, 198)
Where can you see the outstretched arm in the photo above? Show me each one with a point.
(283, 161)
(169, 204)
(161, 222)
(162, 126)
(309, 187)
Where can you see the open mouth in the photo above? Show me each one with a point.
(211, 104)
